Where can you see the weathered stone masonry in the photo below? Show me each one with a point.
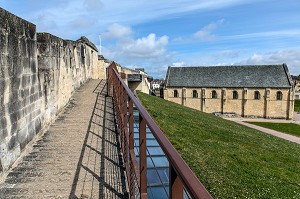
(38, 74)
(63, 67)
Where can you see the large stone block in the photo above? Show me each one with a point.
(26, 81)
(12, 143)
(25, 61)
(34, 79)
(13, 45)
(22, 137)
(3, 121)
(3, 63)
(33, 66)
(23, 47)
(38, 124)
(31, 131)
(17, 67)
(2, 85)
(3, 42)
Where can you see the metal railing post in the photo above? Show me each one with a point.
(176, 186)
(131, 132)
(131, 146)
(143, 157)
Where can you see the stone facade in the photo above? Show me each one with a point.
(268, 102)
(38, 74)
(143, 85)
(297, 89)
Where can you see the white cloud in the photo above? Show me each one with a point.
(117, 31)
(289, 56)
(147, 47)
(150, 46)
(206, 33)
(179, 64)
(266, 34)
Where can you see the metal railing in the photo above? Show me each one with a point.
(181, 177)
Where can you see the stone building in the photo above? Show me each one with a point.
(264, 91)
(297, 86)
(136, 79)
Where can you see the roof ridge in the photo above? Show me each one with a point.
(225, 66)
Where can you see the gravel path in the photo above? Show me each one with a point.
(78, 157)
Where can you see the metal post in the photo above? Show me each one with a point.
(131, 131)
(176, 186)
(143, 158)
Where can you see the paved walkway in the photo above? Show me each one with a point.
(78, 157)
(243, 121)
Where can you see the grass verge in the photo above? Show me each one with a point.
(289, 128)
(297, 105)
(231, 160)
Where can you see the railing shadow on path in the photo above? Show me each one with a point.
(100, 171)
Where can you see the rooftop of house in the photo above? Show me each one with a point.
(247, 76)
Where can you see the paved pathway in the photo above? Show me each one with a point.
(243, 121)
(78, 157)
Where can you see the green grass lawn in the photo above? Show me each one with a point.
(297, 105)
(289, 128)
(231, 160)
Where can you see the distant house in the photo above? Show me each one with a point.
(155, 86)
(136, 79)
(297, 86)
(249, 91)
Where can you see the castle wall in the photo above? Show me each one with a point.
(20, 94)
(63, 67)
(38, 74)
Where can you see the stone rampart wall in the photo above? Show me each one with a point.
(38, 74)
(20, 94)
(63, 67)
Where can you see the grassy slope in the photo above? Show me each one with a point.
(297, 105)
(293, 129)
(229, 159)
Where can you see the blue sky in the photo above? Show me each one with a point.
(157, 34)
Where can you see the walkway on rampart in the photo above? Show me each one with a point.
(77, 157)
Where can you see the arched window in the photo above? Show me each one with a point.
(256, 95)
(279, 95)
(235, 95)
(214, 94)
(175, 93)
(195, 94)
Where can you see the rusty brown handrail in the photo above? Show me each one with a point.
(181, 175)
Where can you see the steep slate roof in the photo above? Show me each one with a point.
(248, 76)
